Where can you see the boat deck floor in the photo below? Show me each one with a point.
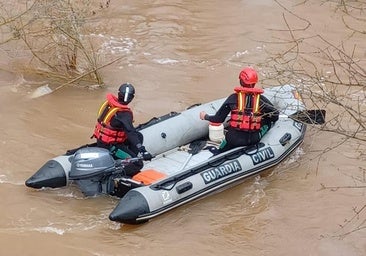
(178, 159)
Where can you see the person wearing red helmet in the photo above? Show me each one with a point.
(114, 129)
(252, 114)
(248, 77)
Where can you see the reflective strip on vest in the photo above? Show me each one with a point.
(110, 114)
(247, 116)
(103, 130)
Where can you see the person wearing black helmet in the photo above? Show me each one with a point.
(115, 131)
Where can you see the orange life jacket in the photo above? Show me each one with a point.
(247, 116)
(103, 130)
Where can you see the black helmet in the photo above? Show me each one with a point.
(126, 92)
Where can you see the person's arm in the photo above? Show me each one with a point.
(269, 112)
(125, 122)
(133, 137)
(223, 111)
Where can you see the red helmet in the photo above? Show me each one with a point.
(248, 77)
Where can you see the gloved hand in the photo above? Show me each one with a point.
(144, 154)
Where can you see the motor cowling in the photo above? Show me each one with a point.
(92, 169)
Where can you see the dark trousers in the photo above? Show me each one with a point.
(236, 138)
(130, 169)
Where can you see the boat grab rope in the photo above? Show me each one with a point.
(156, 120)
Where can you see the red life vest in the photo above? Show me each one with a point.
(247, 116)
(103, 130)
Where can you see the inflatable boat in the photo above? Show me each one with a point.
(185, 166)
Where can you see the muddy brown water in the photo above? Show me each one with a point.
(181, 53)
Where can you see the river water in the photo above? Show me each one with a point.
(178, 53)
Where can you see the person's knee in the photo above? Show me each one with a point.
(133, 168)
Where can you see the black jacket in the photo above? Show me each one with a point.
(269, 112)
(124, 120)
(236, 138)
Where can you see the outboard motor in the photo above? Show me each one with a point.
(93, 170)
